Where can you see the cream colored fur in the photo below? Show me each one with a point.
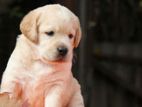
(35, 73)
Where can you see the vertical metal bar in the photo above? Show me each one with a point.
(82, 68)
(82, 14)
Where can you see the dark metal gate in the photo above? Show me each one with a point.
(111, 53)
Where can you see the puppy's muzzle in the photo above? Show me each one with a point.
(62, 51)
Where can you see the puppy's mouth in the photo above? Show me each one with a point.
(57, 60)
(61, 58)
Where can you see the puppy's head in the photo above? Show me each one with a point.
(54, 29)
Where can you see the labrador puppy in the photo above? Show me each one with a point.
(39, 69)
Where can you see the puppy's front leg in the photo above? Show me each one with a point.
(14, 89)
(53, 98)
(77, 99)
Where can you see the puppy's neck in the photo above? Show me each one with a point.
(60, 66)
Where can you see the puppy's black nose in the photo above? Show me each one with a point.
(62, 51)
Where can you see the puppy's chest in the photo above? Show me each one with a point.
(36, 74)
(42, 77)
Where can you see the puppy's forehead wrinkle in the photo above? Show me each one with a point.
(55, 9)
(56, 12)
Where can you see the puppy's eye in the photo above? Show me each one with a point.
(50, 33)
(70, 36)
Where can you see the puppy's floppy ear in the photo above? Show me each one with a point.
(28, 26)
(77, 36)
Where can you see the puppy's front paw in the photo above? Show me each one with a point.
(6, 101)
